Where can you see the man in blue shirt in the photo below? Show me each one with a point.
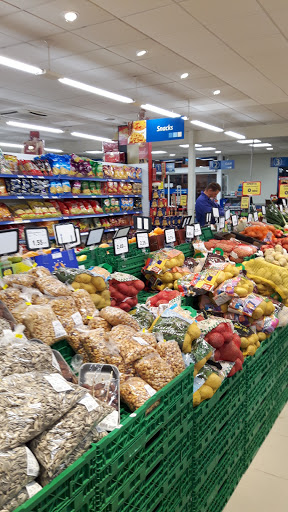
(206, 202)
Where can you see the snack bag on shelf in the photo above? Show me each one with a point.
(66, 187)
(97, 208)
(209, 379)
(20, 211)
(95, 187)
(126, 203)
(5, 213)
(85, 188)
(99, 170)
(76, 188)
(108, 171)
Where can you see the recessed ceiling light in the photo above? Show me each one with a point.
(92, 137)
(141, 53)
(216, 92)
(183, 145)
(208, 126)
(218, 151)
(269, 149)
(71, 16)
(158, 152)
(262, 145)
(235, 135)
(21, 66)
(185, 118)
(34, 127)
(96, 152)
(11, 145)
(248, 141)
(95, 90)
(53, 150)
(172, 154)
(159, 110)
(205, 149)
(184, 75)
(198, 145)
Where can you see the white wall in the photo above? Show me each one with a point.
(261, 171)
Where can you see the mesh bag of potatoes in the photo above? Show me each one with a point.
(95, 285)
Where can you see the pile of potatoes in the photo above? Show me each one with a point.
(277, 256)
(95, 285)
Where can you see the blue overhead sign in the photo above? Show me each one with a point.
(221, 164)
(170, 167)
(279, 162)
(168, 128)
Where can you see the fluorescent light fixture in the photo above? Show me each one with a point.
(11, 145)
(91, 137)
(96, 152)
(95, 90)
(158, 152)
(21, 66)
(183, 145)
(159, 110)
(34, 127)
(198, 145)
(269, 149)
(141, 53)
(235, 135)
(206, 125)
(184, 75)
(54, 150)
(216, 92)
(262, 145)
(71, 16)
(218, 151)
(185, 118)
(172, 154)
(205, 149)
(248, 141)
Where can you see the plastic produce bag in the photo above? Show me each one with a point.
(200, 353)
(85, 305)
(96, 322)
(25, 279)
(23, 356)
(18, 467)
(30, 403)
(236, 287)
(49, 285)
(171, 353)
(97, 347)
(52, 447)
(135, 392)
(176, 324)
(42, 323)
(143, 316)
(26, 492)
(115, 316)
(209, 379)
(154, 370)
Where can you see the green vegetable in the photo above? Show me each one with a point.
(274, 216)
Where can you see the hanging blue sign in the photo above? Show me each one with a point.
(170, 167)
(279, 162)
(221, 164)
(168, 128)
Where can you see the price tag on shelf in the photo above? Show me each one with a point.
(142, 223)
(234, 219)
(281, 207)
(64, 233)
(142, 240)
(221, 222)
(78, 239)
(94, 237)
(227, 214)
(186, 221)
(37, 238)
(208, 217)
(255, 216)
(284, 202)
(121, 245)
(122, 232)
(9, 242)
(215, 212)
(197, 230)
(263, 208)
(170, 235)
(189, 232)
(253, 207)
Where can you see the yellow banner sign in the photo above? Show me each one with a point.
(183, 200)
(245, 201)
(251, 188)
(283, 191)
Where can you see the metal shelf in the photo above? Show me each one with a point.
(70, 178)
(64, 196)
(67, 217)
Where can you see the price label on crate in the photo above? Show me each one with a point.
(284, 202)
(37, 238)
(215, 212)
(255, 216)
(234, 219)
(170, 236)
(121, 245)
(197, 230)
(221, 222)
(65, 233)
(9, 242)
(142, 240)
(281, 207)
(227, 214)
(189, 232)
(249, 218)
(94, 237)
(263, 208)
(208, 217)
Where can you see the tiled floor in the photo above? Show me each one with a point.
(264, 487)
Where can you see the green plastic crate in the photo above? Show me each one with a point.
(144, 295)
(187, 249)
(65, 350)
(258, 365)
(207, 234)
(90, 260)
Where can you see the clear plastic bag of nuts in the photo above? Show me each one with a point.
(133, 348)
(171, 353)
(116, 316)
(43, 324)
(135, 392)
(51, 286)
(96, 322)
(26, 492)
(98, 349)
(154, 370)
(85, 305)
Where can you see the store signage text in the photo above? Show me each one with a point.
(251, 188)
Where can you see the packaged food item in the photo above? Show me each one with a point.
(201, 351)
(64, 368)
(3, 190)
(53, 446)
(171, 353)
(84, 304)
(43, 324)
(154, 370)
(135, 392)
(124, 289)
(4, 164)
(209, 379)
(6, 319)
(133, 348)
(147, 336)
(5, 213)
(11, 297)
(21, 356)
(143, 316)
(96, 322)
(18, 467)
(24, 279)
(26, 492)
(115, 316)
(30, 403)
(253, 305)
(235, 287)
(176, 324)
(51, 286)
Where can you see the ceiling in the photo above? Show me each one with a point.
(237, 47)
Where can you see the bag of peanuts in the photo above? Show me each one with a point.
(135, 392)
(42, 323)
(171, 353)
(154, 370)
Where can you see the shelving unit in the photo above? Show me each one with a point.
(70, 178)
(67, 217)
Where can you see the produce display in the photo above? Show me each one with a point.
(124, 289)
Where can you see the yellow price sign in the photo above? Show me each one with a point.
(283, 191)
(183, 200)
(161, 186)
(245, 201)
(251, 188)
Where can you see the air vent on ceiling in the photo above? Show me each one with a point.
(22, 115)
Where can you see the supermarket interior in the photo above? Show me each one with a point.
(143, 256)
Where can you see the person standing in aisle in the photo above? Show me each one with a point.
(206, 202)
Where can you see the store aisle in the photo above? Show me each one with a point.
(265, 484)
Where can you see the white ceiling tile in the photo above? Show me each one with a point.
(28, 53)
(121, 9)
(65, 44)
(110, 33)
(129, 50)
(24, 27)
(220, 11)
(7, 8)
(7, 40)
(26, 4)
(91, 60)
